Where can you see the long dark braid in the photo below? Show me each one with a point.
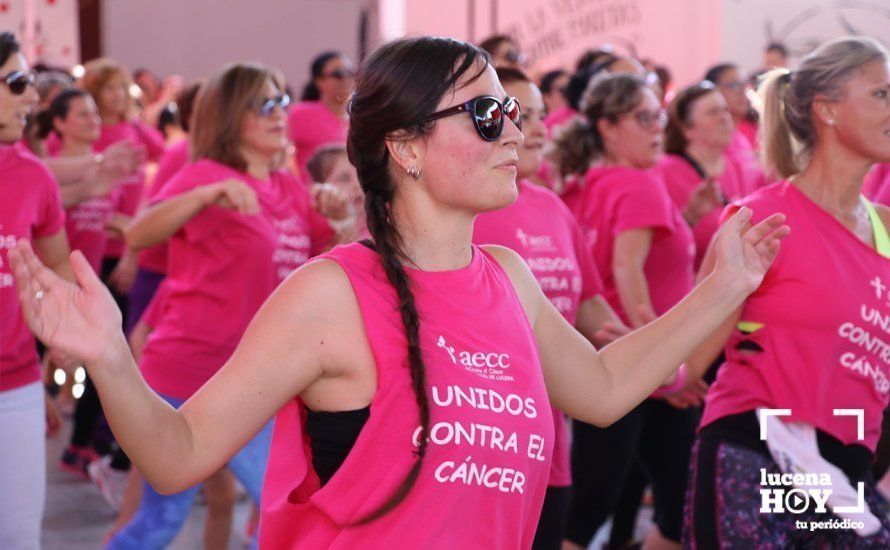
(399, 85)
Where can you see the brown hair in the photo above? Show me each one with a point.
(185, 105)
(322, 161)
(675, 141)
(509, 75)
(220, 108)
(788, 131)
(397, 88)
(96, 75)
(577, 144)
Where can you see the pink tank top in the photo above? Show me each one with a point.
(484, 476)
(540, 228)
(821, 317)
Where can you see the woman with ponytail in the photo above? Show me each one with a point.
(321, 115)
(644, 251)
(412, 374)
(811, 339)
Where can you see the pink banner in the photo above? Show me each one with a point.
(685, 35)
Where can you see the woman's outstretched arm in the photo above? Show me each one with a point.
(600, 388)
(280, 355)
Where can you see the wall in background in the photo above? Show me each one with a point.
(46, 29)
(195, 37)
(748, 25)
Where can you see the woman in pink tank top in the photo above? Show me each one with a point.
(805, 382)
(411, 377)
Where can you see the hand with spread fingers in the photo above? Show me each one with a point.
(80, 320)
(746, 252)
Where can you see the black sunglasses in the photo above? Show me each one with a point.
(340, 74)
(266, 106)
(487, 113)
(18, 81)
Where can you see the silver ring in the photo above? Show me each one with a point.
(38, 295)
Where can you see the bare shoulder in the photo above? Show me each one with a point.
(523, 280)
(316, 306)
(317, 287)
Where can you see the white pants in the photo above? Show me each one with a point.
(22, 466)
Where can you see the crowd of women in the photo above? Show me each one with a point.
(483, 309)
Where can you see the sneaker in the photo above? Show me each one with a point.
(112, 483)
(75, 460)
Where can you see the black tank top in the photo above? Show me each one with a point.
(331, 437)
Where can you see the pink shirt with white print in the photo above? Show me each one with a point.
(222, 266)
(540, 228)
(30, 208)
(484, 476)
(821, 319)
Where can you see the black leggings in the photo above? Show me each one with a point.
(88, 408)
(657, 436)
(552, 525)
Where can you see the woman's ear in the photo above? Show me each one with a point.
(825, 111)
(407, 152)
(606, 129)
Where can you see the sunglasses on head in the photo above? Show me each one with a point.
(340, 74)
(266, 106)
(18, 81)
(487, 113)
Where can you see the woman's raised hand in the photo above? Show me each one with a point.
(80, 320)
(745, 253)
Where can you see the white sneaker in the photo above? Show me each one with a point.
(111, 483)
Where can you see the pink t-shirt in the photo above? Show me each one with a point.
(877, 184)
(222, 266)
(30, 208)
(824, 306)
(541, 229)
(311, 125)
(749, 129)
(483, 480)
(572, 193)
(175, 158)
(743, 151)
(85, 226)
(130, 189)
(681, 179)
(617, 199)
